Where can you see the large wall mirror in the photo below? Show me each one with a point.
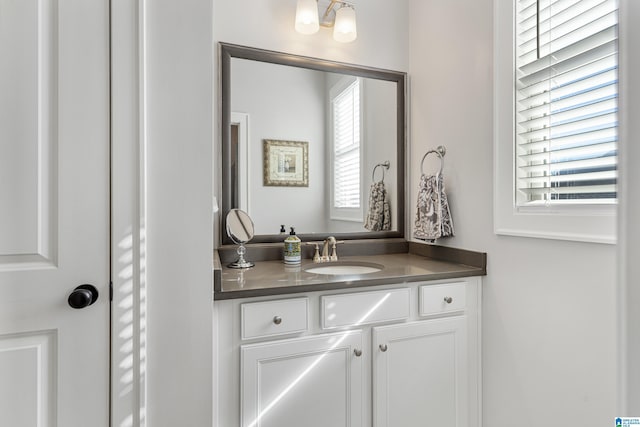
(304, 139)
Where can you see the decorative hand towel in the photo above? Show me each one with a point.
(433, 218)
(379, 214)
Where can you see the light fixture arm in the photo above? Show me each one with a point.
(328, 22)
(329, 9)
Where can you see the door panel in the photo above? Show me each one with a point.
(27, 390)
(54, 212)
(313, 381)
(28, 83)
(420, 374)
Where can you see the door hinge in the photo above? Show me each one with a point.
(110, 291)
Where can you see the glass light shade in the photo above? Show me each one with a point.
(344, 29)
(307, 17)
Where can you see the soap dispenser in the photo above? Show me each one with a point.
(292, 254)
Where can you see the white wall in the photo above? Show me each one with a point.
(549, 323)
(178, 80)
(629, 232)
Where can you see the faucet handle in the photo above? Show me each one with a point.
(316, 255)
(334, 253)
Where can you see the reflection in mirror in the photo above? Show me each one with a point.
(240, 230)
(351, 119)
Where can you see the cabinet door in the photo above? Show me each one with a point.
(420, 374)
(313, 381)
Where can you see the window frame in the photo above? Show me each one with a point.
(575, 222)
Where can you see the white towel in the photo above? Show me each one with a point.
(433, 218)
(379, 214)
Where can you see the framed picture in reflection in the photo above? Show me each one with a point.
(286, 163)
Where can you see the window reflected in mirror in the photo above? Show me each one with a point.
(346, 156)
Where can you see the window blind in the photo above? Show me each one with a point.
(346, 147)
(566, 101)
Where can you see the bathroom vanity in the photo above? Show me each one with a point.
(396, 347)
(389, 336)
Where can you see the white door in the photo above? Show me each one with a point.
(54, 212)
(420, 374)
(313, 381)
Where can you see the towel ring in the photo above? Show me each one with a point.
(440, 152)
(384, 165)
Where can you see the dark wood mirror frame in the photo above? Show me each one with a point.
(229, 183)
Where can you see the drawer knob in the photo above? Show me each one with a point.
(277, 320)
(357, 352)
(383, 347)
(448, 300)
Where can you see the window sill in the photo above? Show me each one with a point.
(525, 226)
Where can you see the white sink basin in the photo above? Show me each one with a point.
(344, 268)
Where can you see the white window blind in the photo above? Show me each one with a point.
(566, 101)
(346, 147)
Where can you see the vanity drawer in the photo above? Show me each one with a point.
(272, 318)
(364, 308)
(445, 298)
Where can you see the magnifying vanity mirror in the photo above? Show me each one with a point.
(300, 139)
(240, 230)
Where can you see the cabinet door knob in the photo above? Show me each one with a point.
(383, 347)
(277, 320)
(357, 352)
(448, 300)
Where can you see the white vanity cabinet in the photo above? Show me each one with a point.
(313, 381)
(391, 355)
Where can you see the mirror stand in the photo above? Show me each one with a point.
(240, 230)
(241, 262)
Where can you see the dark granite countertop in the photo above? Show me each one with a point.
(419, 263)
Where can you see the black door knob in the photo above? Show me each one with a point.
(83, 296)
